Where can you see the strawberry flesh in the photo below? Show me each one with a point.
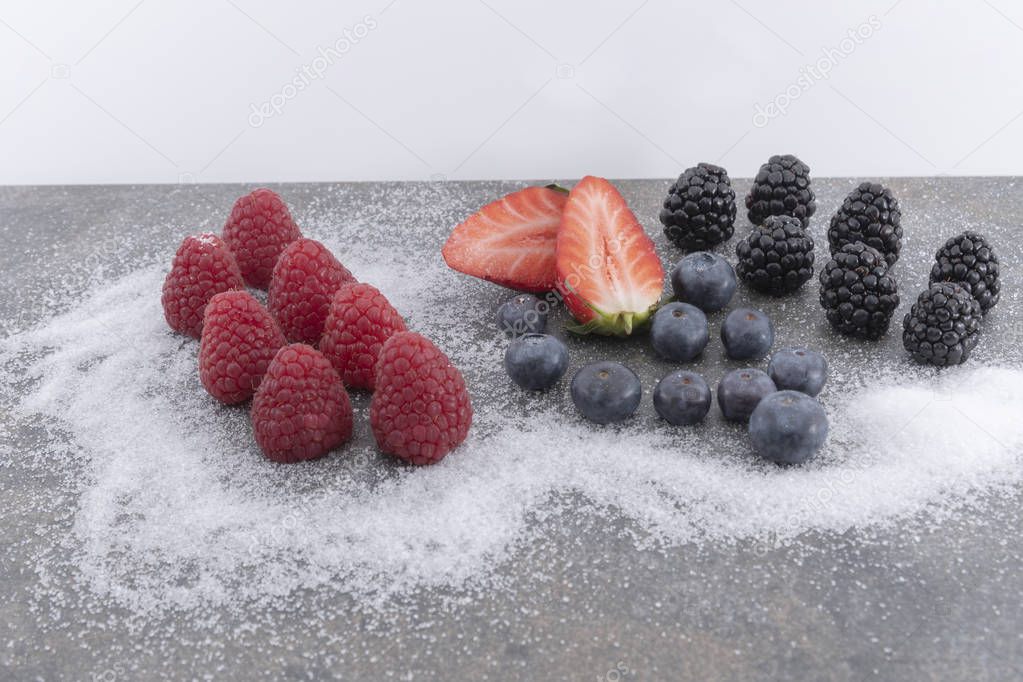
(608, 271)
(511, 241)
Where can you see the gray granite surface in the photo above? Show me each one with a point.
(920, 601)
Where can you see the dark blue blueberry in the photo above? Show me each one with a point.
(704, 279)
(747, 334)
(682, 398)
(679, 332)
(740, 390)
(606, 392)
(788, 427)
(524, 314)
(798, 369)
(536, 361)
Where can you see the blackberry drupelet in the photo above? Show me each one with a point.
(870, 214)
(699, 211)
(782, 187)
(857, 293)
(969, 261)
(943, 325)
(777, 257)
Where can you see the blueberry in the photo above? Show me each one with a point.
(704, 279)
(740, 390)
(524, 314)
(536, 361)
(606, 392)
(747, 334)
(682, 398)
(788, 427)
(679, 332)
(798, 369)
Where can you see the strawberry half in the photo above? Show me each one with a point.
(511, 241)
(608, 271)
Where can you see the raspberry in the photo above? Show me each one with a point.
(421, 409)
(359, 321)
(305, 278)
(257, 230)
(203, 266)
(239, 339)
(301, 409)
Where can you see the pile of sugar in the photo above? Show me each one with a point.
(179, 510)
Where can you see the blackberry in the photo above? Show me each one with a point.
(969, 261)
(943, 325)
(699, 211)
(857, 293)
(782, 187)
(870, 214)
(777, 257)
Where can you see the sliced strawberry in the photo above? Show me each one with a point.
(511, 241)
(608, 271)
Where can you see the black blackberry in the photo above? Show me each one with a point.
(777, 257)
(969, 261)
(857, 293)
(782, 187)
(699, 210)
(943, 325)
(870, 214)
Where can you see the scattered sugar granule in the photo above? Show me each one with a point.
(174, 507)
(180, 510)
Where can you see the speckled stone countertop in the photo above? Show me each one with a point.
(921, 600)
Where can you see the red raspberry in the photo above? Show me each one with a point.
(202, 267)
(301, 410)
(257, 230)
(239, 339)
(360, 319)
(421, 409)
(305, 278)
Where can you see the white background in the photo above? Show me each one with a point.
(161, 91)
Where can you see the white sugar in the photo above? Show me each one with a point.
(179, 509)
